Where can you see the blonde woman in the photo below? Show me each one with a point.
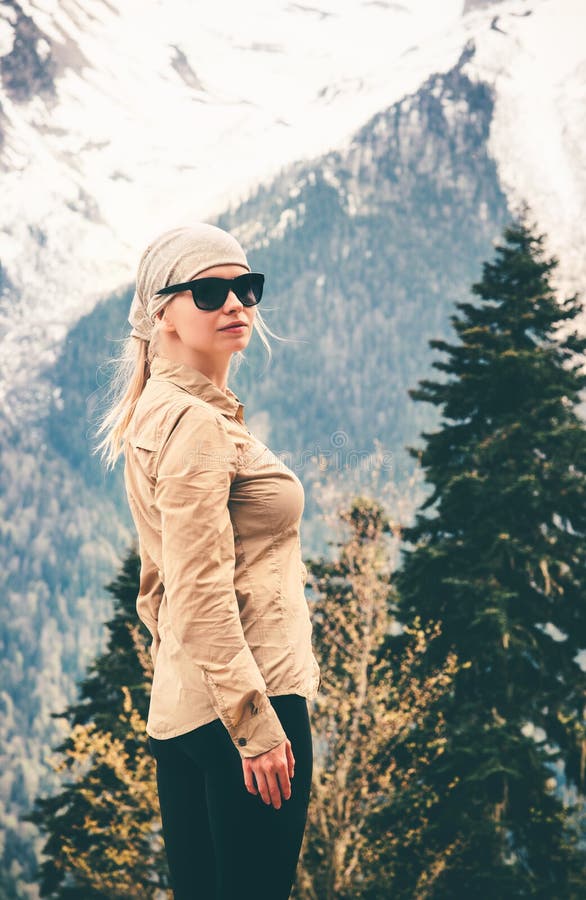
(222, 578)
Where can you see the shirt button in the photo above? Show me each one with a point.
(242, 742)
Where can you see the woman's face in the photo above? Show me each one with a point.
(206, 333)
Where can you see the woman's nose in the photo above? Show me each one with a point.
(232, 301)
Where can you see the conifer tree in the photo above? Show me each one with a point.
(103, 829)
(124, 661)
(498, 556)
(363, 721)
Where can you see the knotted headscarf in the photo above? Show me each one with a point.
(174, 257)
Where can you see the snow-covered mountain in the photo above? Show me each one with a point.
(119, 121)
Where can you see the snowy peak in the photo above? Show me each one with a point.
(118, 122)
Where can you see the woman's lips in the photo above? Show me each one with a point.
(237, 327)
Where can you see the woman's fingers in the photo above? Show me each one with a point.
(270, 772)
(284, 783)
(290, 759)
(274, 789)
(249, 778)
(274, 785)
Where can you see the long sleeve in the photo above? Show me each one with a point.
(150, 593)
(194, 473)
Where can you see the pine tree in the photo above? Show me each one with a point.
(365, 770)
(501, 565)
(103, 832)
(124, 662)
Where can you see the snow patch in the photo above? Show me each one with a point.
(7, 36)
(538, 133)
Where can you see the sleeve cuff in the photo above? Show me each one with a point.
(258, 733)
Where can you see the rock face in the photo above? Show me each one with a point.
(29, 69)
(471, 5)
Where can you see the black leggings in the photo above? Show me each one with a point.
(223, 843)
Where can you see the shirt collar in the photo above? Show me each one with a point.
(197, 383)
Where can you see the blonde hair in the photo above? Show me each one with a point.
(131, 372)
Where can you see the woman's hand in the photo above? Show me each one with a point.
(270, 772)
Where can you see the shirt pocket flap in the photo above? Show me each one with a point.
(146, 438)
(145, 446)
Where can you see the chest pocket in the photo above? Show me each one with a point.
(145, 446)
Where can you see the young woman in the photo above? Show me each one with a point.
(222, 578)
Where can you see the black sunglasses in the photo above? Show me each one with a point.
(211, 293)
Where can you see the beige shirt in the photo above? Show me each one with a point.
(222, 578)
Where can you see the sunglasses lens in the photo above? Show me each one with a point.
(211, 293)
(248, 288)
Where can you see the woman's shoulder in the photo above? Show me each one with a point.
(158, 413)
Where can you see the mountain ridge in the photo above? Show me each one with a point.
(104, 171)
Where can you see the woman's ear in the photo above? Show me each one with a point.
(165, 323)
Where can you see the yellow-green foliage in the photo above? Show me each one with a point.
(104, 834)
(366, 708)
(122, 809)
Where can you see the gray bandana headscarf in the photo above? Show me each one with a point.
(176, 256)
